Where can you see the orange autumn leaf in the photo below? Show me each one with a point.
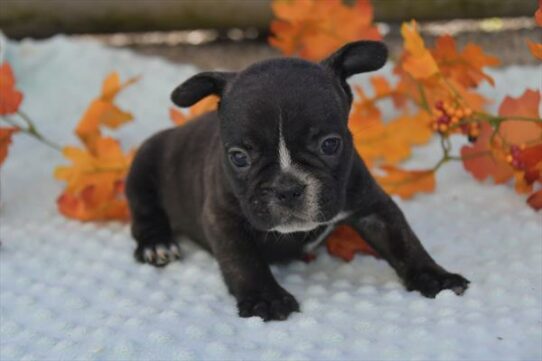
(5, 140)
(94, 181)
(89, 206)
(314, 28)
(381, 86)
(112, 85)
(103, 112)
(345, 242)
(535, 49)
(389, 142)
(418, 61)
(466, 67)
(10, 98)
(107, 163)
(470, 98)
(406, 183)
(435, 89)
(519, 131)
(177, 117)
(422, 87)
(538, 14)
(205, 105)
(482, 161)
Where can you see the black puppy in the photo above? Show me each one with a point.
(276, 158)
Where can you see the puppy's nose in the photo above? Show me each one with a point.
(290, 192)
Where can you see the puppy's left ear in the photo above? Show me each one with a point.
(357, 57)
(199, 86)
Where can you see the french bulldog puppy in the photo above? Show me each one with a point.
(267, 175)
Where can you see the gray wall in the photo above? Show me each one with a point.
(39, 18)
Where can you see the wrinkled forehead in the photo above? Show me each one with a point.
(261, 122)
(257, 108)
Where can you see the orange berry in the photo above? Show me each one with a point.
(509, 158)
(455, 119)
(467, 111)
(443, 127)
(459, 113)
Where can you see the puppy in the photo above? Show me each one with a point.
(271, 172)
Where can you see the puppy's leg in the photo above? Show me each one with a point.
(250, 281)
(385, 228)
(247, 275)
(150, 225)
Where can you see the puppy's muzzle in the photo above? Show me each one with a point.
(286, 191)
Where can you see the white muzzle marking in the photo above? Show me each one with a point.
(312, 189)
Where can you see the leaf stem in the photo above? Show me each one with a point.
(424, 104)
(31, 129)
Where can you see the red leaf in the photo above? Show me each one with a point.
(517, 131)
(10, 98)
(344, 243)
(482, 162)
(535, 200)
(5, 141)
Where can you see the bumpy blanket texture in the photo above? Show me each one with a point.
(72, 290)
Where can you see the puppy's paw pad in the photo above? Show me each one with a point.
(275, 305)
(430, 282)
(159, 254)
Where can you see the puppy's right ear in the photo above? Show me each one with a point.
(199, 86)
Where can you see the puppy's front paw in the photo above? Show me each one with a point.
(429, 282)
(157, 254)
(274, 304)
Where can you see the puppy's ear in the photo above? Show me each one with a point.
(357, 57)
(199, 86)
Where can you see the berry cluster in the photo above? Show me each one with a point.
(513, 158)
(448, 118)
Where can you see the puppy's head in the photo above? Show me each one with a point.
(283, 125)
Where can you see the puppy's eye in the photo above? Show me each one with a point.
(330, 145)
(239, 158)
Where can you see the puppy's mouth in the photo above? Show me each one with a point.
(296, 223)
(294, 227)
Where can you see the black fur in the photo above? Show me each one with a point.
(183, 182)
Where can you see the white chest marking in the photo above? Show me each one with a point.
(339, 217)
(309, 247)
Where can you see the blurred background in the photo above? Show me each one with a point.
(233, 33)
